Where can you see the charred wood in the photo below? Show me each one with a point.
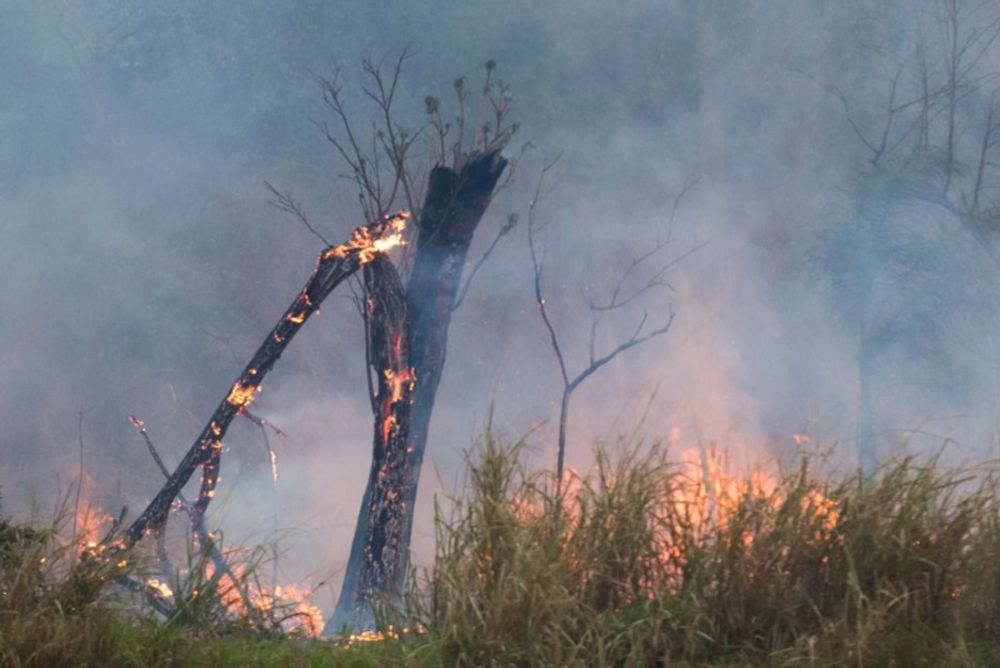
(377, 560)
(333, 266)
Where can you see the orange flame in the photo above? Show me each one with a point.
(390, 633)
(367, 246)
(161, 588)
(304, 617)
(397, 382)
(91, 523)
(289, 605)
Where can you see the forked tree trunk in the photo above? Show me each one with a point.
(455, 203)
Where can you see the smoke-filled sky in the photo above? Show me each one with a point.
(143, 264)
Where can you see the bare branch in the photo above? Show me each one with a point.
(263, 423)
(985, 145)
(284, 202)
(505, 229)
(536, 265)
(636, 339)
(615, 302)
(656, 279)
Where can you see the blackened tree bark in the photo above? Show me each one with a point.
(408, 339)
(375, 560)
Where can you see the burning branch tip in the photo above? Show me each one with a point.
(388, 234)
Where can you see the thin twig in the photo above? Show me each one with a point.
(284, 202)
(504, 230)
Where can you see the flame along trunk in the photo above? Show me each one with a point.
(333, 266)
(455, 203)
(377, 558)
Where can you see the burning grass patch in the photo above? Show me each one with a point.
(58, 611)
(646, 561)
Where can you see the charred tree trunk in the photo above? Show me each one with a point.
(376, 560)
(455, 203)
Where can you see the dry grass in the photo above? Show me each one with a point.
(646, 563)
(56, 611)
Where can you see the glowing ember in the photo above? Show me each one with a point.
(387, 424)
(161, 588)
(241, 395)
(397, 382)
(390, 633)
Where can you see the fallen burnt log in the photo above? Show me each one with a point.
(335, 265)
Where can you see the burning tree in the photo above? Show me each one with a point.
(334, 265)
(407, 320)
(406, 323)
(406, 309)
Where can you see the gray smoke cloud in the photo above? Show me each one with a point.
(143, 264)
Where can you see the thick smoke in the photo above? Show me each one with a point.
(143, 265)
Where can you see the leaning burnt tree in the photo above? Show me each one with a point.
(334, 266)
(407, 319)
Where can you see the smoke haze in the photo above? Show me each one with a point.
(143, 264)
